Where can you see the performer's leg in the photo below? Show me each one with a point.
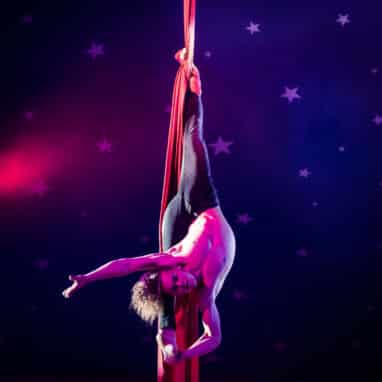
(196, 184)
(176, 221)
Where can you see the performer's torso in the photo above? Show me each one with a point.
(209, 247)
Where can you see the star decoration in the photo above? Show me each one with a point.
(343, 19)
(315, 204)
(207, 54)
(291, 94)
(145, 239)
(31, 308)
(39, 188)
(95, 50)
(239, 295)
(104, 146)
(253, 28)
(374, 71)
(41, 264)
(370, 308)
(146, 339)
(302, 252)
(356, 344)
(211, 358)
(280, 347)
(168, 109)
(221, 146)
(27, 19)
(28, 115)
(243, 218)
(341, 149)
(305, 173)
(377, 120)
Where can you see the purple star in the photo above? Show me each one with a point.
(370, 308)
(239, 295)
(28, 115)
(253, 28)
(377, 120)
(39, 188)
(302, 252)
(27, 19)
(168, 109)
(211, 358)
(104, 146)
(280, 347)
(146, 339)
(84, 213)
(221, 146)
(341, 149)
(315, 204)
(145, 239)
(95, 50)
(343, 19)
(305, 173)
(31, 308)
(243, 218)
(374, 71)
(356, 344)
(207, 54)
(41, 264)
(291, 94)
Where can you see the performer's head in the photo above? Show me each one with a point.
(147, 292)
(176, 282)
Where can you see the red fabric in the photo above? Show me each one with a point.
(186, 310)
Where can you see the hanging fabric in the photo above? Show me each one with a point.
(186, 311)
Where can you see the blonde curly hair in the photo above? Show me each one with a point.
(146, 299)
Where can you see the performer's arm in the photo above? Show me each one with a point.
(166, 339)
(123, 267)
(211, 337)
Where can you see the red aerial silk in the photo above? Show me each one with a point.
(186, 311)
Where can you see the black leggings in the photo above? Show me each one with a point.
(196, 191)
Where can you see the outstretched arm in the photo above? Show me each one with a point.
(123, 267)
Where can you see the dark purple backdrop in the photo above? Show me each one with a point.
(301, 182)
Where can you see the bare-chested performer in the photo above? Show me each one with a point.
(199, 245)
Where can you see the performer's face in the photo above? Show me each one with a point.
(176, 282)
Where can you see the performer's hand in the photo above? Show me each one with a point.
(172, 358)
(79, 281)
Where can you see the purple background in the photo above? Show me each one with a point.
(303, 300)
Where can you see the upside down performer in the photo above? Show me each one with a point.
(198, 246)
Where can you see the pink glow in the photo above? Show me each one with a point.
(30, 162)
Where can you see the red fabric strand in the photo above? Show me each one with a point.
(186, 310)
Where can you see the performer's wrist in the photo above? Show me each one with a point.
(181, 355)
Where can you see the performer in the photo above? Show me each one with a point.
(198, 242)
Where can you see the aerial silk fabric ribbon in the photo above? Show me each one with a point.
(186, 311)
